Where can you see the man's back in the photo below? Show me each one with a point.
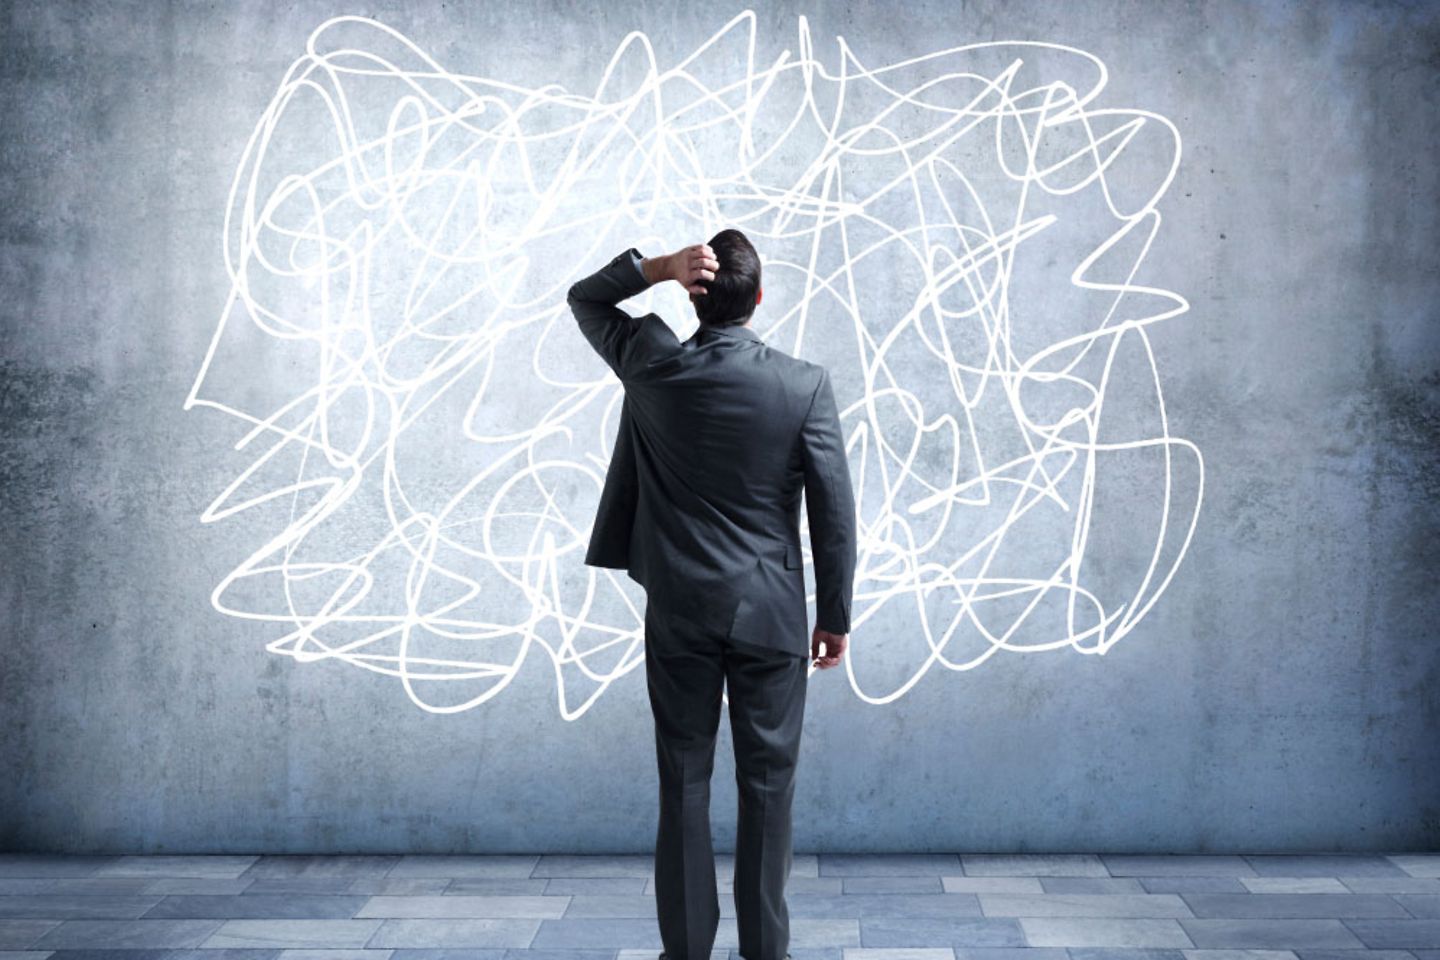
(719, 437)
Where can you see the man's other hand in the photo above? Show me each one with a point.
(834, 644)
(688, 266)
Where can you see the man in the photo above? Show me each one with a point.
(718, 438)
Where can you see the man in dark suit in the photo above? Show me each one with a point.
(718, 438)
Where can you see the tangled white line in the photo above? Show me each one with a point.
(956, 236)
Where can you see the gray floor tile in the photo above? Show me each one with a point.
(465, 907)
(820, 886)
(406, 886)
(799, 953)
(1397, 934)
(1192, 884)
(81, 886)
(97, 953)
(988, 932)
(514, 886)
(861, 905)
(558, 865)
(887, 885)
(457, 907)
(809, 936)
(258, 907)
(1293, 905)
(44, 865)
(1270, 933)
(75, 934)
(1322, 865)
(499, 866)
(469, 932)
(194, 886)
(617, 906)
(1236, 953)
(1104, 932)
(803, 865)
(218, 867)
(75, 907)
(621, 933)
(1417, 864)
(1127, 953)
(22, 886)
(518, 953)
(293, 933)
(1422, 905)
(17, 934)
(271, 867)
(1092, 885)
(888, 864)
(1269, 885)
(1033, 865)
(993, 884)
(1354, 955)
(592, 886)
(456, 953)
(26, 955)
(899, 953)
(163, 953)
(1083, 905)
(1405, 884)
(1183, 865)
(300, 886)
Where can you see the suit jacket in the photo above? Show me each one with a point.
(719, 437)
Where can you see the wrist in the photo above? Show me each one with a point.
(655, 269)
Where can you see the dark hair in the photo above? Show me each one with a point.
(729, 299)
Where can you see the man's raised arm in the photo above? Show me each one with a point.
(610, 330)
(613, 332)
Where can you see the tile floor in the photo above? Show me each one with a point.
(842, 907)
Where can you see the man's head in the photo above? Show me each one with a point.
(735, 292)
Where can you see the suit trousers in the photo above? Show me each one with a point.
(687, 665)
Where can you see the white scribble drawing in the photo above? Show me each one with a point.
(957, 236)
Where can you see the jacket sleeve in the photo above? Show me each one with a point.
(830, 508)
(613, 333)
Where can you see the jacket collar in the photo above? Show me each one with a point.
(742, 332)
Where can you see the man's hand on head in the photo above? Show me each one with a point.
(689, 266)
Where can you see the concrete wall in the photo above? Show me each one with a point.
(1279, 694)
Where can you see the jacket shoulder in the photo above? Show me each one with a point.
(801, 379)
(808, 375)
(798, 368)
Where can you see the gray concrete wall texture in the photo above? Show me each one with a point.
(1203, 621)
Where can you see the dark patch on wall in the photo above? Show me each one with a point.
(43, 444)
(36, 402)
(1406, 416)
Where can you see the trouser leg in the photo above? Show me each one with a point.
(767, 705)
(685, 677)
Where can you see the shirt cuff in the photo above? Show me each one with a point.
(636, 259)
